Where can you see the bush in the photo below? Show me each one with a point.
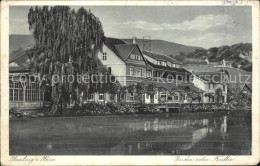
(15, 113)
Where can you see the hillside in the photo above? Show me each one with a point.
(166, 47)
(159, 46)
(17, 42)
(240, 53)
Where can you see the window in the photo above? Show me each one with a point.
(169, 97)
(164, 63)
(176, 97)
(163, 94)
(15, 91)
(179, 77)
(33, 92)
(104, 57)
(170, 77)
(132, 96)
(139, 72)
(147, 96)
(224, 87)
(148, 73)
(112, 97)
(109, 70)
(91, 97)
(131, 71)
(132, 56)
(101, 96)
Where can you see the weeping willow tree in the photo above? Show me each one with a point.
(66, 44)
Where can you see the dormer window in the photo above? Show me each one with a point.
(164, 63)
(132, 56)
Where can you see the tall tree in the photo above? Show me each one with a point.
(67, 42)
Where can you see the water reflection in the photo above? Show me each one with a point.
(173, 134)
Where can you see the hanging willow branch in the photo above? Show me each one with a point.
(67, 42)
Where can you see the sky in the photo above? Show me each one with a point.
(203, 26)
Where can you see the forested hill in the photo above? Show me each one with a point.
(240, 53)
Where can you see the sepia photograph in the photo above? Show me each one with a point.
(130, 80)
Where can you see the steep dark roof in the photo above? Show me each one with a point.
(124, 50)
(19, 58)
(161, 57)
(111, 44)
(248, 86)
(166, 67)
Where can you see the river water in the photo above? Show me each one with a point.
(157, 134)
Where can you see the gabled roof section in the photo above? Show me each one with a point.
(161, 57)
(124, 50)
(112, 42)
(248, 86)
(19, 59)
(121, 48)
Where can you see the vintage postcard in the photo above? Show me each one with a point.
(130, 82)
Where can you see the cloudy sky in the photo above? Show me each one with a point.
(195, 26)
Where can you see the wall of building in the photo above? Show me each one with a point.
(128, 66)
(118, 67)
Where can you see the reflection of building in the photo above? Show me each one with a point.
(170, 136)
(163, 125)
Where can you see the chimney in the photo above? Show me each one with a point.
(134, 40)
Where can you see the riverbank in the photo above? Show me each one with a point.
(103, 109)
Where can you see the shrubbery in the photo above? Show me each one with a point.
(112, 108)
